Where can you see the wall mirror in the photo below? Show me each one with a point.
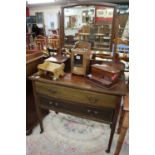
(94, 23)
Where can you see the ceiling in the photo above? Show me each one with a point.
(65, 2)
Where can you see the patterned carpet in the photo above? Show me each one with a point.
(68, 135)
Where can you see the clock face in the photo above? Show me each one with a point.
(78, 60)
(78, 57)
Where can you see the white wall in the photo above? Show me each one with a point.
(50, 15)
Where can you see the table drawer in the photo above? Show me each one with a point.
(76, 95)
(105, 114)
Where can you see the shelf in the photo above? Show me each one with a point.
(101, 48)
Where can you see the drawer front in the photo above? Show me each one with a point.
(76, 95)
(105, 114)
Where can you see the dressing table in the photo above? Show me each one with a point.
(77, 96)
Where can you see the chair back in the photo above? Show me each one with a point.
(41, 42)
(85, 29)
(53, 43)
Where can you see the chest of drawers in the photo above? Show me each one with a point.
(75, 95)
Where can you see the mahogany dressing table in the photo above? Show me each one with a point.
(76, 95)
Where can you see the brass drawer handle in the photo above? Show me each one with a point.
(52, 91)
(92, 100)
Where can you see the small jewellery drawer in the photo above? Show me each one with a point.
(76, 95)
(105, 114)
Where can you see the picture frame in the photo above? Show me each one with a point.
(39, 17)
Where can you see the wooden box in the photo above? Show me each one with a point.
(105, 74)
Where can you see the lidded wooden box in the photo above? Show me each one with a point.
(105, 74)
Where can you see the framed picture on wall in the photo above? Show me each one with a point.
(39, 17)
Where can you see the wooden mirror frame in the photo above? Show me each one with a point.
(114, 22)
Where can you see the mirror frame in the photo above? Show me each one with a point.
(114, 22)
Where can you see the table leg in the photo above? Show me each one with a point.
(41, 126)
(120, 120)
(111, 137)
(39, 114)
(40, 119)
(113, 126)
(120, 140)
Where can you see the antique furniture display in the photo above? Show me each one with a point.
(124, 125)
(80, 58)
(75, 95)
(93, 22)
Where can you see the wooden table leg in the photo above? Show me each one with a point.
(40, 120)
(111, 137)
(120, 140)
(122, 134)
(113, 127)
(120, 120)
(39, 114)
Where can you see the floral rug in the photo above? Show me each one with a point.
(69, 135)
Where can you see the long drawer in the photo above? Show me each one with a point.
(76, 95)
(102, 114)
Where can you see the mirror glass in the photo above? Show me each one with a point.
(88, 23)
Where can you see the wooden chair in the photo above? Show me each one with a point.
(53, 45)
(41, 42)
(85, 29)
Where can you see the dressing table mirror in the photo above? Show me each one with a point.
(91, 22)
